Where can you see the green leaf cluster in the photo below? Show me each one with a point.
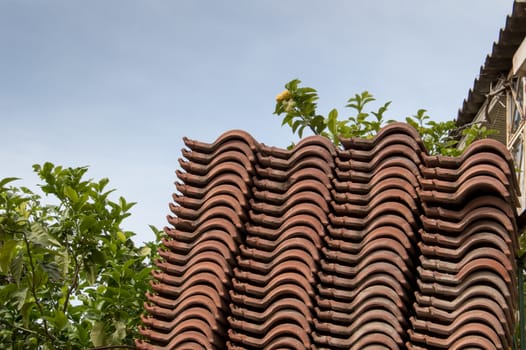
(298, 107)
(70, 277)
(442, 137)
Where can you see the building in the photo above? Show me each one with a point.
(497, 97)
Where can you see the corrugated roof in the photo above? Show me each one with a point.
(373, 245)
(497, 64)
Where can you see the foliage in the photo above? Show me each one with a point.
(70, 278)
(298, 104)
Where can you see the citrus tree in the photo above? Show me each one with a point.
(70, 277)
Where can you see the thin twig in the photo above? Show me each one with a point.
(33, 290)
(456, 132)
(73, 285)
(27, 330)
(114, 347)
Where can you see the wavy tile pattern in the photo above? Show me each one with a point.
(372, 245)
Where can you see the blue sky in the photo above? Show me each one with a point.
(116, 84)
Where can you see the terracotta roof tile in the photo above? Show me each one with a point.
(310, 227)
(165, 310)
(366, 176)
(444, 317)
(345, 289)
(290, 290)
(376, 244)
(227, 182)
(457, 331)
(272, 192)
(371, 289)
(293, 335)
(459, 239)
(369, 330)
(478, 239)
(477, 295)
(279, 317)
(182, 257)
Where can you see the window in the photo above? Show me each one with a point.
(516, 106)
(517, 152)
(516, 132)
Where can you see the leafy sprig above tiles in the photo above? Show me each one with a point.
(299, 107)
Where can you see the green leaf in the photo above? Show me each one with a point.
(19, 295)
(45, 170)
(300, 131)
(71, 194)
(62, 259)
(90, 274)
(6, 291)
(157, 232)
(318, 123)
(120, 332)
(287, 120)
(17, 266)
(102, 183)
(7, 253)
(97, 334)
(7, 180)
(121, 236)
(332, 121)
(52, 270)
(60, 320)
(145, 251)
(26, 312)
(292, 85)
(412, 122)
(97, 257)
(125, 205)
(308, 89)
(295, 125)
(39, 235)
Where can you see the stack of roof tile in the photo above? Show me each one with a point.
(274, 283)
(367, 270)
(375, 245)
(466, 279)
(190, 308)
